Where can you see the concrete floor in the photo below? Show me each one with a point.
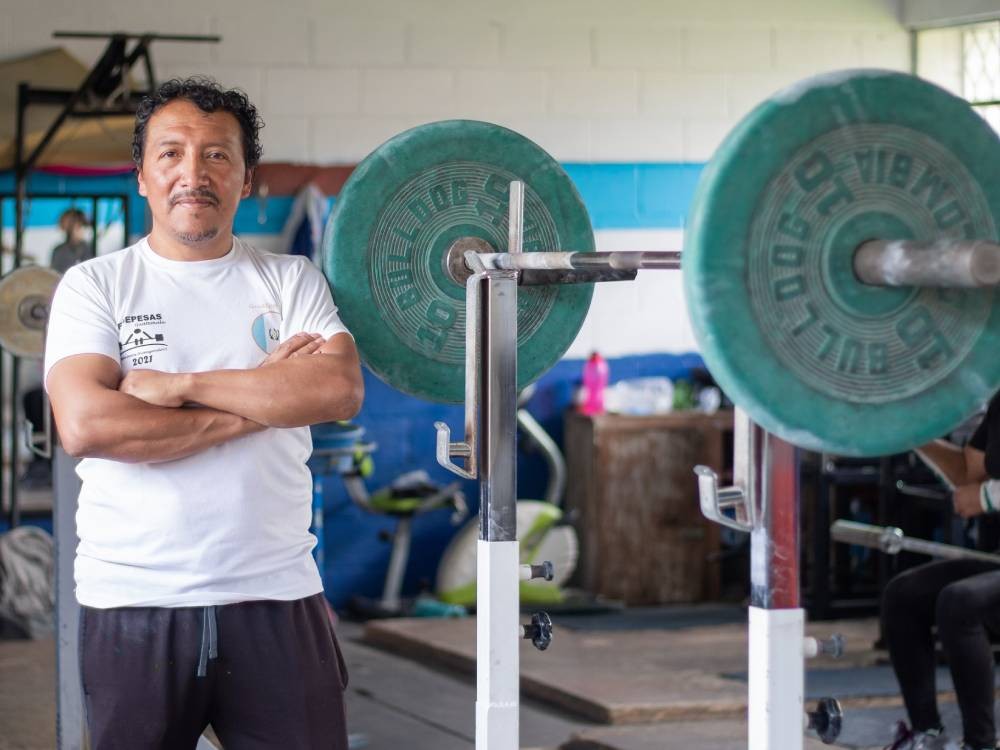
(398, 704)
(27, 695)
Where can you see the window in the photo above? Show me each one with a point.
(981, 69)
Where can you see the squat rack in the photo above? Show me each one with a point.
(763, 501)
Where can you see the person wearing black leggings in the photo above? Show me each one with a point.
(960, 598)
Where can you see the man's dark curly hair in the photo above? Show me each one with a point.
(208, 96)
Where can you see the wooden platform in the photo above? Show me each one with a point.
(641, 676)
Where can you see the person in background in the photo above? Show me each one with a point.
(75, 248)
(959, 600)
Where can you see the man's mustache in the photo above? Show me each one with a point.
(198, 194)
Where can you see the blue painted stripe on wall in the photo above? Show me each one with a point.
(618, 196)
(255, 217)
(636, 196)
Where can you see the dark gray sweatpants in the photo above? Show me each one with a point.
(264, 674)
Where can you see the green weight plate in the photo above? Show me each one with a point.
(810, 353)
(386, 243)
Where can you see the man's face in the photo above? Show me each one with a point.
(193, 173)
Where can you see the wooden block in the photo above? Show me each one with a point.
(642, 536)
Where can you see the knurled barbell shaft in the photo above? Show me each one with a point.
(573, 261)
(942, 263)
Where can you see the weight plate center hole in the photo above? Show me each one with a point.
(454, 263)
(845, 289)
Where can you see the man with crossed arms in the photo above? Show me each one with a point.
(201, 603)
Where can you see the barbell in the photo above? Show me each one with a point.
(854, 175)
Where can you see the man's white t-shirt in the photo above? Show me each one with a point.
(225, 525)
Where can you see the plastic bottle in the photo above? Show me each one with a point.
(595, 380)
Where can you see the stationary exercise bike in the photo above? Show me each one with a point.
(339, 448)
(409, 495)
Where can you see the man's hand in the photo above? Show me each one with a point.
(306, 380)
(166, 388)
(295, 346)
(154, 387)
(966, 500)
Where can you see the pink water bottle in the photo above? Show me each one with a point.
(595, 380)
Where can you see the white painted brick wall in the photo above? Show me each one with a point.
(347, 139)
(566, 138)
(747, 90)
(492, 94)
(669, 95)
(31, 26)
(637, 47)
(728, 49)
(657, 298)
(524, 45)
(312, 91)
(594, 93)
(885, 49)
(632, 80)
(637, 140)
(702, 135)
(271, 38)
(287, 138)
(810, 51)
(403, 92)
(365, 42)
(468, 45)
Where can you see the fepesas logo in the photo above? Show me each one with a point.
(151, 318)
(137, 334)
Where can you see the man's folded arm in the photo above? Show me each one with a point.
(95, 420)
(292, 392)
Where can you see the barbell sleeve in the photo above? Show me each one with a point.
(942, 263)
